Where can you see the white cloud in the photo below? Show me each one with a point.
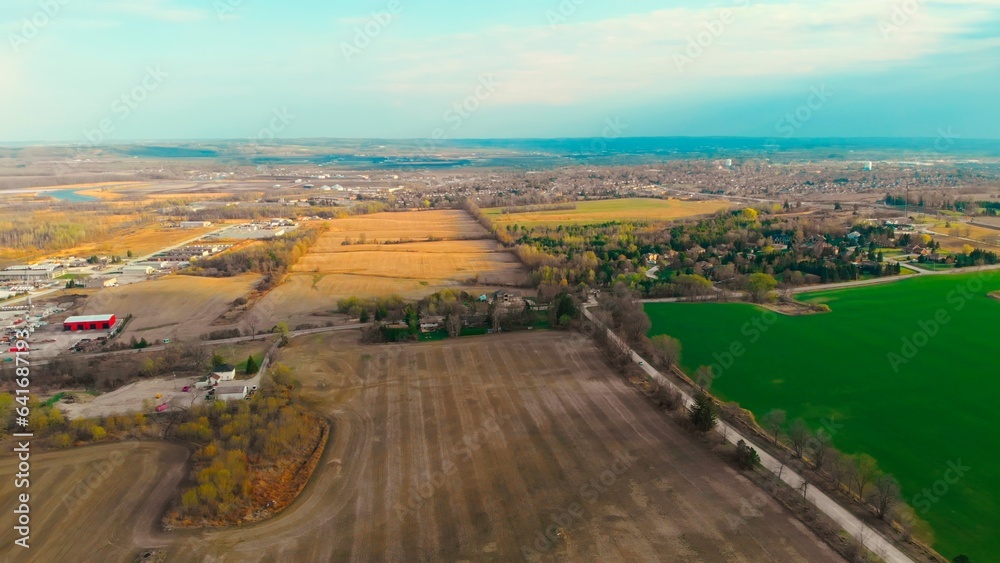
(637, 55)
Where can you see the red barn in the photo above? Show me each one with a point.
(90, 322)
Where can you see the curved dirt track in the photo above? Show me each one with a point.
(472, 449)
(97, 503)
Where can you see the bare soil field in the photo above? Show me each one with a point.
(174, 306)
(472, 449)
(92, 504)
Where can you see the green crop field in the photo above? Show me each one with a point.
(592, 212)
(908, 371)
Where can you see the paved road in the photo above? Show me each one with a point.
(872, 539)
(178, 245)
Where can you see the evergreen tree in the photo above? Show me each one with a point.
(251, 365)
(703, 414)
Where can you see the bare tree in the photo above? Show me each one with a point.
(820, 453)
(197, 356)
(885, 496)
(839, 465)
(454, 320)
(665, 349)
(799, 436)
(703, 377)
(863, 471)
(252, 325)
(773, 421)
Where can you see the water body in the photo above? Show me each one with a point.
(70, 195)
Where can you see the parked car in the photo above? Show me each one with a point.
(186, 388)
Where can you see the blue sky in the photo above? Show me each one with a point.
(193, 69)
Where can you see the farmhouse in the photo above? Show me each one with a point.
(430, 324)
(231, 393)
(90, 322)
(224, 372)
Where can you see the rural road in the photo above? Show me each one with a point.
(291, 334)
(178, 245)
(872, 539)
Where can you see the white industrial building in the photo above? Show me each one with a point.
(27, 272)
(231, 393)
(137, 270)
(101, 281)
(195, 224)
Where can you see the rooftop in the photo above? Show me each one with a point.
(89, 319)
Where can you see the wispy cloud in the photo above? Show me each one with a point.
(636, 53)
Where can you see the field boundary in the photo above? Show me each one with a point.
(872, 539)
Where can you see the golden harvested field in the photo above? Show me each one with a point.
(95, 504)
(447, 260)
(413, 225)
(636, 209)
(449, 250)
(175, 306)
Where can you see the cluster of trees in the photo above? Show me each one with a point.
(727, 247)
(271, 258)
(977, 257)
(112, 371)
(391, 309)
(72, 225)
(857, 475)
(248, 451)
(49, 425)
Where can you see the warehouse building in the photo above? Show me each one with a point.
(101, 282)
(90, 322)
(29, 273)
(231, 393)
